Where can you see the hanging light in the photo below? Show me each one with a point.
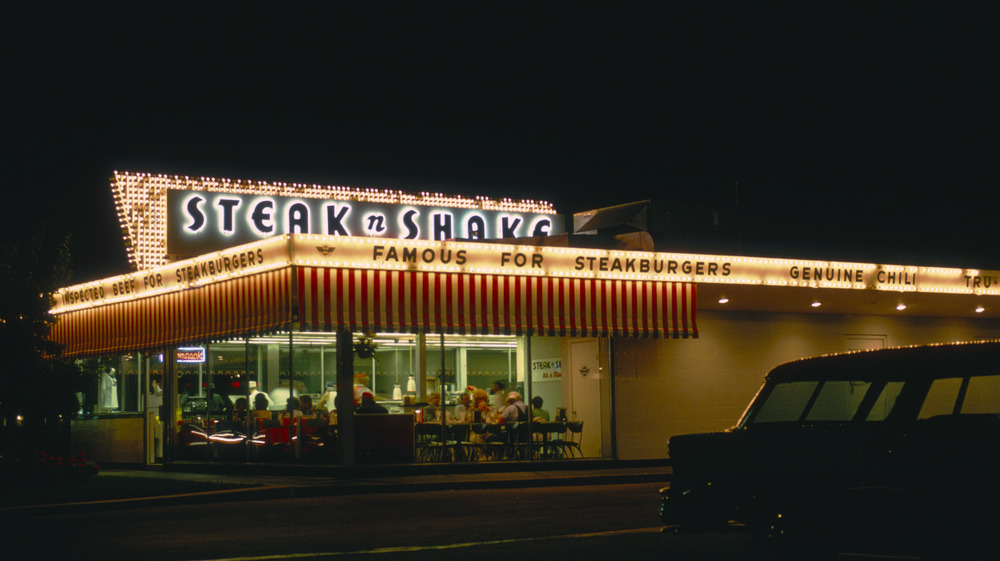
(397, 393)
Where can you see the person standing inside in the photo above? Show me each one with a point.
(496, 396)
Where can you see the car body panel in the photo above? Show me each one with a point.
(880, 447)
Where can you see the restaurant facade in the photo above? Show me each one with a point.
(244, 288)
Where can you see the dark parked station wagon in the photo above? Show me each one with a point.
(893, 451)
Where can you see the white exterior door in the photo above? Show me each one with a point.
(585, 373)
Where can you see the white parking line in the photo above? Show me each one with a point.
(403, 549)
(873, 556)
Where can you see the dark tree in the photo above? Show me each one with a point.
(37, 387)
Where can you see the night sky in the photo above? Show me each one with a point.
(838, 131)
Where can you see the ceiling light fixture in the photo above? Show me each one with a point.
(980, 309)
(901, 307)
(816, 304)
(723, 300)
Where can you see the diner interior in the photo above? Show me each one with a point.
(220, 417)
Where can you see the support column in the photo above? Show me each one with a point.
(421, 350)
(171, 405)
(345, 397)
(529, 391)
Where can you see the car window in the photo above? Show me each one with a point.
(941, 398)
(983, 395)
(838, 400)
(785, 402)
(885, 401)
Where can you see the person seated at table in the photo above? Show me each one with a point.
(308, 411)
(515, 411)
(318, 417)
(481, 405)
(432, 408)
(537, 413)
(292, 409)
(463, 411)
(239, 413)
(260, 403)
(369, 406)
(255, 393)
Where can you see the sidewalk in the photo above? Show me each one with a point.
(263, 481)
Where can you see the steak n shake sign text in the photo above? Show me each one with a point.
(171, 217)
(575, 262)
(201, 221)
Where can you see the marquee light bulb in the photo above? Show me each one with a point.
(138, 193)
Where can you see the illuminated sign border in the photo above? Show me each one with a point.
(141, 202)
(636, 265)
(508, 259)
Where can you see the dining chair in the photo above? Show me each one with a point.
(517, 441)
(428, 441)
(545, 445)
(490, 441)
(574, 435)
(457, 444)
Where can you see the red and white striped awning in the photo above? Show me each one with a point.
(239, 306)
(327, 299)
(437, 302)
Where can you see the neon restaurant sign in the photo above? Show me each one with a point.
(170, 217)
(356, 253)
